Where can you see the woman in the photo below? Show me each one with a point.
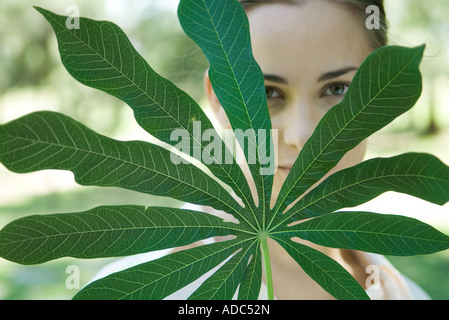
(309, 51)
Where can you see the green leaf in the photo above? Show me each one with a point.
(236, 79)
(330, 275)
(224, 282)
(252, 279)
(48, 140)
(420, 175)
(158, 279)
(371, 232)
(387, 84)
(106, 232)
(100, 55)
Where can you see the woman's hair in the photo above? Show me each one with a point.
(378, 36)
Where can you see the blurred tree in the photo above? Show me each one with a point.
(29, 59)
(24, 56)
(430, 18)
(160, 40)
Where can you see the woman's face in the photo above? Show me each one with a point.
(309, 54)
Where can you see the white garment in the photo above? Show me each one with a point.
(391, 285)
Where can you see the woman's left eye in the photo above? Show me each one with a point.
(337, 89)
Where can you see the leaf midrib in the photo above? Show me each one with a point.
(112, 230)
(381, 233)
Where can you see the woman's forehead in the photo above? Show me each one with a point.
(313, 33)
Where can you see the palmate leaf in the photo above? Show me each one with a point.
(100, 55)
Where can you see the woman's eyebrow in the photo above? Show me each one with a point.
(335, 74)
(276, 79)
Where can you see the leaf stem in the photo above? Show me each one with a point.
(267, 265)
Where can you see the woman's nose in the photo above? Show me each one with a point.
(297, 126)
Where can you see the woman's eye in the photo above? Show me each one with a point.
(276, 100)
(337, 89)
(272, 93)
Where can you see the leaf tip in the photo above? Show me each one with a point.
(46, 13)
(39, 9)
(421, 49)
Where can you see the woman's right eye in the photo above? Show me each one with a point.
(275, 99)
(272, 93)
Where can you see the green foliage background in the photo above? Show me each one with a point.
(32, 78)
